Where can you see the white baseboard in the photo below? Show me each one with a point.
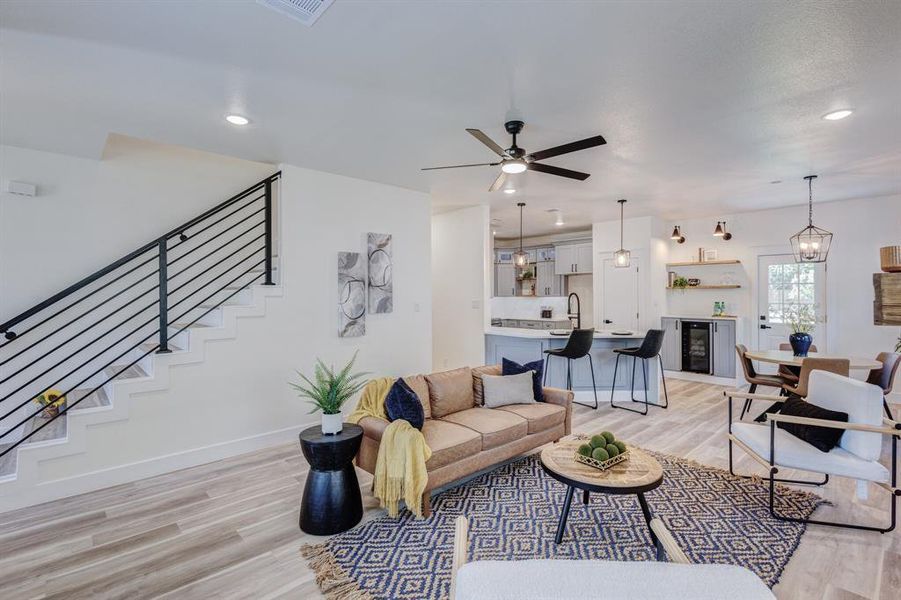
(79, 484)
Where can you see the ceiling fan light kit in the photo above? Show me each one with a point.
(811, 244)
(677, 235)
(520, 257)
(515, 160)
(621, 258)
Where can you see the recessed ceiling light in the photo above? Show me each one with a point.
(510, 191)
(237, 119)
(837, 115)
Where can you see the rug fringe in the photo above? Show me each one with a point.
(330, 577)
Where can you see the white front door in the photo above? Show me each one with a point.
(620, 294)
(782, 283)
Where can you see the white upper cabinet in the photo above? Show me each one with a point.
(573, 258)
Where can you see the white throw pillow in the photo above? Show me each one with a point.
(501, 390)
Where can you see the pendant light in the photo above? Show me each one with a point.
(677, 235)
(622, 257)
(811, 244)
(520, 258)
(720, 231)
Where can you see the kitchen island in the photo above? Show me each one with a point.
(527, 345)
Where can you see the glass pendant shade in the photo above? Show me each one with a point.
(811, 244)
(622, 257)
(520, 258)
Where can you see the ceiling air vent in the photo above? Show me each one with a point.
(305, 11)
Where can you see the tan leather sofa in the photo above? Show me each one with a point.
(466, 437)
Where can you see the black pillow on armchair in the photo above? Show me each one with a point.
(823, 439)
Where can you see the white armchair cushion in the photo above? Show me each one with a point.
(863, 403)
(584, 579)
(798, 454)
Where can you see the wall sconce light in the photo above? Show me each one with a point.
(677, 235)
(720, 231)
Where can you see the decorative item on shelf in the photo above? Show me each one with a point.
(693, 282)
(520, 258)
(51, 400)
(700, 255)
(677, 235)
(601, 451)
(670, 278)
(890, 259)
(329, 390)
(811, 244)
(680, 283)
(710, 255)
(719, 308)
(527, 274)
(801, 319)
(720, 231)
(622, 257)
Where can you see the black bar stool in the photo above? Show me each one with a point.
(577, 346)
(650, 347)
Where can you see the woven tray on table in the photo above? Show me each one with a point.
(601, 465)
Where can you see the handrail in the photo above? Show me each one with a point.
(178, 231)
(38, 365)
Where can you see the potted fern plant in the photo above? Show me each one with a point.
(329, 390)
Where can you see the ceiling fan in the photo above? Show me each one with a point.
(515, 160)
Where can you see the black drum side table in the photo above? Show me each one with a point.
(331, 497)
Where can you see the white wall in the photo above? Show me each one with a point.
(860, 228)
(238, 397)
(89, 213)
(461, 266)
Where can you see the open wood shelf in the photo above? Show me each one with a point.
(730, 286)
(701, 264)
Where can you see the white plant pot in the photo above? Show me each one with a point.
(332, 424)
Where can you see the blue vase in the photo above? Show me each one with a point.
(800, 343)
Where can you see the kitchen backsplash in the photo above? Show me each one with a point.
(527, 308)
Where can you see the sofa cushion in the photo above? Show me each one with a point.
(419, 385)
(450, 391)
(449, 442)
(540, 415)
(402, 403)
(497, 427)
(508, 389)
(478, 393)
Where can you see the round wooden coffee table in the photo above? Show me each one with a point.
(638, 474)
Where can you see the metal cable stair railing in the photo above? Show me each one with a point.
(100, 329)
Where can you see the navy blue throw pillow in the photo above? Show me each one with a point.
(509, 367)
(403, 403)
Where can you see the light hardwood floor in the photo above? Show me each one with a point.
(229, 529)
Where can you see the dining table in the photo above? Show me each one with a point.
(787, 357)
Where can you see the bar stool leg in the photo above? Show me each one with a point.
(613, 385)
(569, 374)
(593, 385)
(663, 378)
(544, 377)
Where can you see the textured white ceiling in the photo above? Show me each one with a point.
(702, 103)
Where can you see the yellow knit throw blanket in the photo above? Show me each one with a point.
(400, 472)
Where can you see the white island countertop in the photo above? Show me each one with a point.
(544, 334)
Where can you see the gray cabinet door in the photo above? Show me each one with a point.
(584, 258)
(548, 283)
(565, 259)
(724, 348)
(504, 280)
(671, 352)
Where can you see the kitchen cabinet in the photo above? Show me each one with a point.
(724, 348)
(671, 352)
(503, 256)
(504, 280)
(572, 259)
(549, 283)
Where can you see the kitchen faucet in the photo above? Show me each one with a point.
(569, 310)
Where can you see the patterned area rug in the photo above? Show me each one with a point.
(513, 512)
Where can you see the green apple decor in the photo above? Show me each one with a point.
(602, 451)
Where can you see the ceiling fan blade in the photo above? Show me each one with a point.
(551, 170)
(477, 134)
(498, 183)
(567, 148)
(461, 166)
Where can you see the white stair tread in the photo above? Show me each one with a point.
(197, 325)
(148, 346)
(87, 399)
(132, 372)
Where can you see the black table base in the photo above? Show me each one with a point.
(331, 496)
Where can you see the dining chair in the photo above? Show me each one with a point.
(649, 349)
(839, 366)
(855, 457)
(790, 372)
(754, 378)
(884, 377)
(577, 346)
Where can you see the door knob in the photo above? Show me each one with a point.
(608, 321)
(765, 327)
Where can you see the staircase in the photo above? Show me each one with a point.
(120, 330)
